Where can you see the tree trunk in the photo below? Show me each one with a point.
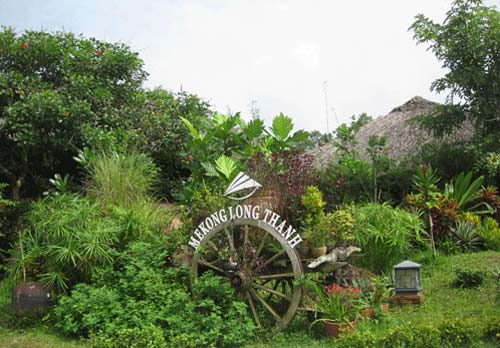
(431, 229)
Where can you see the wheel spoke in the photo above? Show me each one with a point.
(252, 307)
(275, 276)
(265, 304)
(212, 266)
(271, 259)
(261, 245)
(212, 244)
(272, 291)
(245, 247)
(231, 241)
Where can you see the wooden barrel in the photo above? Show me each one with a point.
(31, 298)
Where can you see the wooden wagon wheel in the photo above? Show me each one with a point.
(259, 264)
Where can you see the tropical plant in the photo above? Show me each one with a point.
(466, 192)
(466, 236)
(439, 211)
(280, 137)
(66, 239)
(60, 184)
(232, 137)
(4, 203)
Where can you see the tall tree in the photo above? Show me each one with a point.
(56, 90)
(467, 44)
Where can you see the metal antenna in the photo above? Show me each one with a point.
(336, 117)
(325, 90)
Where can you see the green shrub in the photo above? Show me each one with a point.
(386, 235)
(141, 293)
(459, 332)
(138, 337)
(468, 278)
(490, 233)
(448, 334)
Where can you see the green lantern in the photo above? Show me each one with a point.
(407, 278)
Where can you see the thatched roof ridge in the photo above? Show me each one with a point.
(404, 138)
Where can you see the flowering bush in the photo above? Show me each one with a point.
(346, 293)
(337, 304)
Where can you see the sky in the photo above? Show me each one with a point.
(317, 61)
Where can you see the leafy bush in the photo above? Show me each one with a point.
(468, 278)
(385, 235)
(490, 233)
(140, 293)
(138, 337)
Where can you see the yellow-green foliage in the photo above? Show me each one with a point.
(312, 200)
(490, 233)
(341, 223)
(314, 224)
(471, 218)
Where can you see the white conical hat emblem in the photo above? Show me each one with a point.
(240, 183)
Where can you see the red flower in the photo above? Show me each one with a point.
(24, 46)
(99, 52)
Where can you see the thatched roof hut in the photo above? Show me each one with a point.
(404, 138)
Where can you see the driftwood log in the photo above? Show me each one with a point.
(334, 259)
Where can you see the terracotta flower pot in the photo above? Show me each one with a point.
(31, 299)
(333, 329)
(318, 251)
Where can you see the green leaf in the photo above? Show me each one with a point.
(282, 126)
(191, 128)
(254, 129)
(299, 136)
(220, 119)
(209, 169)
(225, 165)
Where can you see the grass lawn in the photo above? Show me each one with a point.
(442, 301)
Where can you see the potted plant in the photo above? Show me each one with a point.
(338, 309)
(381, 294)
(315, 225)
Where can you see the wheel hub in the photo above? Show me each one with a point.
(241, 280)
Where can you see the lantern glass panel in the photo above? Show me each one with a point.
(406, 279)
